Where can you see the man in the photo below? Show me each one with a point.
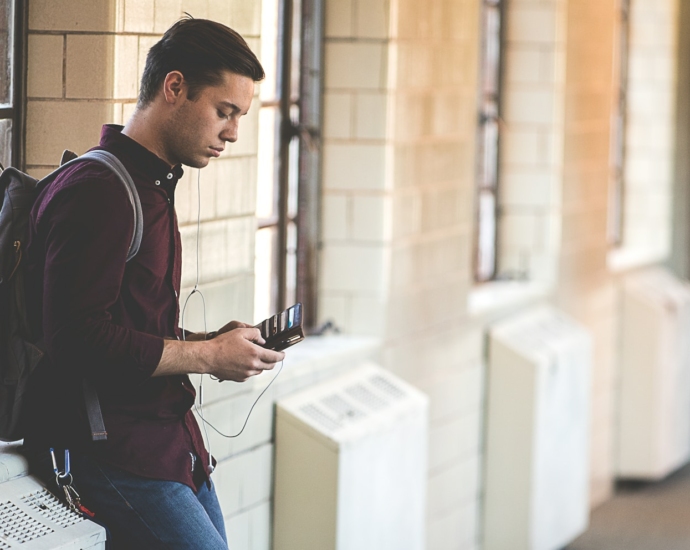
(116, 322)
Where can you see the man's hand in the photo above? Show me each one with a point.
(232, 325)
(236, 355)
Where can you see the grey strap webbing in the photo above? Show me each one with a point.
(93, 411)
(93, 405)
(112, 162)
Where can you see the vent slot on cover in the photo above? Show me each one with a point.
(380, 383)
(354, 403)
(51, 508)
(313, 412)
(342, 408)
(17, 526)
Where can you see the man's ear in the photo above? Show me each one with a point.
(174, 87)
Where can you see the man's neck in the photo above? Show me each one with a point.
(140, 127)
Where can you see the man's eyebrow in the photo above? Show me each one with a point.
(231, 106)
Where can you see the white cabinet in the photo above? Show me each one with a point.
(351, 465)
(653, 437)
(537, 433)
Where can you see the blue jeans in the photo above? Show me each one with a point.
(142, 513)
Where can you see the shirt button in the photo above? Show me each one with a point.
(170, 176)
(158, 182)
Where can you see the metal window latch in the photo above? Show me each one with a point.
(310, 135)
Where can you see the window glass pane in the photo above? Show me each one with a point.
(269, 49)
(267, 171)
(488, 141)
(293, 182)
(617, 190)
(6, 51)
(265, 292)
(492, 48)
(6, 142)
(291, 283)
(489, 145)
(296, 49)
(486, 253)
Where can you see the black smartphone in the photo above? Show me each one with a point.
(284, 329)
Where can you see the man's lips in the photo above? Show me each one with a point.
(217, 151)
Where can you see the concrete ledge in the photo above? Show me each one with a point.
(499, 295)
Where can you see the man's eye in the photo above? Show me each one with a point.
(221, 114)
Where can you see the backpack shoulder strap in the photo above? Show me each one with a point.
(112, 162)
(93, 406)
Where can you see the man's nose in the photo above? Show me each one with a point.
(229, 133)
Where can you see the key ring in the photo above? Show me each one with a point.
(64, 481)
(61, 480)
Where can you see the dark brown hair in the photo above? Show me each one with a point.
(201, 50)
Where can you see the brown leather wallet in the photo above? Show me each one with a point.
(284, 329)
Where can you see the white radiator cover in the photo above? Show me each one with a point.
(537, 433)
(654, 400)
(31, 518)
(351, 465)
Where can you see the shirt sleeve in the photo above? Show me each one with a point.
(88, 226)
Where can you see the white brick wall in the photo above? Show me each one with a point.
(649, 139)
(532, 147)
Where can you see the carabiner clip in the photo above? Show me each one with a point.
(61, 478)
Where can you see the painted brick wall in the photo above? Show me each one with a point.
(355, 196)
(649, 139)
(531, 164)
(398, 188)
(586, 288)
(429, 339)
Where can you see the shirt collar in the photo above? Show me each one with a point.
(152, 166)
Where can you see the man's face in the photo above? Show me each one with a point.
(198, 129)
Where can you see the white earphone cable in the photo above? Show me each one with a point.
(200, 407)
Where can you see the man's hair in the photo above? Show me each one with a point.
(201, 50)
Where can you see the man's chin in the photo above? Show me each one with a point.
(197, 163)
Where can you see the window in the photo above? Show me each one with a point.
(12, 52)
(488, 142)
(615, 227)
(288, 157)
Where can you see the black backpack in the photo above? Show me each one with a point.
(20, 351)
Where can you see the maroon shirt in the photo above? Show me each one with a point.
(106, 319)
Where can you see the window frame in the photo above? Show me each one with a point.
(307, 129)
(310, 158)
(616, 217)
(482, 275)
(16, 113)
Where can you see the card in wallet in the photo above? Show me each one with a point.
(284, 329)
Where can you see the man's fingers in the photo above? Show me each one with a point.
(266, 355)
(271, 356)
(232, 325)
(253, 335)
